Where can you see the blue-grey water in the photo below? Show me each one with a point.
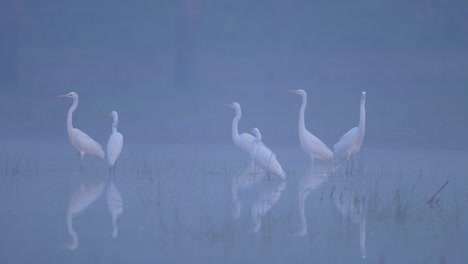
(198, 204)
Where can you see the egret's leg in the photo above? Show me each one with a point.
(115, 165)
(81, 165)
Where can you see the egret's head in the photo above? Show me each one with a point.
(71, 95)
(256, 132)
(234, 105)
(114, 115)
(299, 92)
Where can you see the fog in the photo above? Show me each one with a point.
(183, 192)
(410, 58)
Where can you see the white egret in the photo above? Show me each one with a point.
(244, 141)
(350, 143)
(83, 143)
(79, 201)
(115, 204)
(264, 157)
(115, 143)
(310, 143)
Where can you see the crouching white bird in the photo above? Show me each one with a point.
(83, 143)
(115, 143)
(312, 145)
(264, 157)
(350, 143)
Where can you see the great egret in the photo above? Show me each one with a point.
(350, 143)
(310, 143)
(115, 204)
(244, 141)
(115, 143)
(83, 143)
(267, 197)
(264, 157)
(79, 201)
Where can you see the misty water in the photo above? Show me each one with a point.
(199, 204)
(183, 192)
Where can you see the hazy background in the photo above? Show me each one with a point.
(168, 67)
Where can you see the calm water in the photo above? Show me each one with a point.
(198, 204)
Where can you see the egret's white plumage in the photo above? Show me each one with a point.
(310, 143)
(350, 143)
(264, 157)
(244, 141)
(115, 204)
(83, 143)
(79, 201)
(115, 143)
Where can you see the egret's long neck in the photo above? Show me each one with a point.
(235, 122)
(70, 115)
(362, 119)
(301, 113)
(114, 125)
(258, 135)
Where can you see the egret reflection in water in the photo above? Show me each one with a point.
(315, 175)
(115, 204)
(266, 199)
(81, 199)
(351, 205)
(244, 181)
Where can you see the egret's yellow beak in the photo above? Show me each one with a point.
(291, 91)
(109, 114)
(63, 95)
(228, 105)
(250, 129)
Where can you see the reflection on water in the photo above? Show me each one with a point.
(351, 205)
(266, 199)
(244, 181)
(312, 179)
(81, 199)
(115, 204)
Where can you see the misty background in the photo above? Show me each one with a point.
(168, 68)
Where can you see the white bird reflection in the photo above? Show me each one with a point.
(245, 180)
(115, 204)
(312, 179)
(352, 205)
(79, 201)
(266, 199)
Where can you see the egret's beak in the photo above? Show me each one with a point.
(63, 95)
(109, 114)
(250, 129)
(229, 105)
(291, 91)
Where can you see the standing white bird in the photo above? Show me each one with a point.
(350, 143)
(83, 143)
(264, 157)
(115, 143)
(310, 143)
(244, 141)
